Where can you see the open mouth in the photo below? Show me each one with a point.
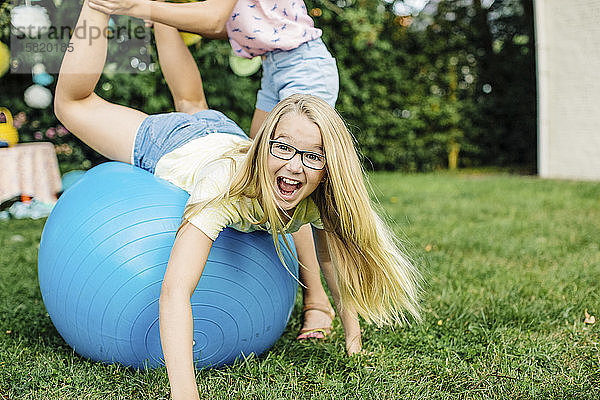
(287, 187)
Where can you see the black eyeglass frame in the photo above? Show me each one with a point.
(296, 151)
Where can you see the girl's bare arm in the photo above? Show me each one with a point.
(186, 263)
(347, 314)
(208, 18)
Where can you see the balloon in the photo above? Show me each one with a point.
(244, 66)
(31, 21)
(37, 96)
(40, 76)
(4, 59)
(43, 79)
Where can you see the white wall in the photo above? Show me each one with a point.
(568, 62)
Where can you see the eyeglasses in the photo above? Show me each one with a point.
(285, 151)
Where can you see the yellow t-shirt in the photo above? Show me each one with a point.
(199, 168)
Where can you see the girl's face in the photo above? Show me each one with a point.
(291, 179)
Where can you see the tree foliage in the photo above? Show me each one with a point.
(458, 75)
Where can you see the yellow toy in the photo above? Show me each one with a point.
(4, 59)
(190, 38)
(8, 133)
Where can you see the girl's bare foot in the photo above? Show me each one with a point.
(317, 321)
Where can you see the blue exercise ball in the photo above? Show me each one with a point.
(71, 178)
(103, 254)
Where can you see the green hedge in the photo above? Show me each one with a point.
(410, 89)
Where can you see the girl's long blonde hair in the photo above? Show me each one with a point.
(373, 275)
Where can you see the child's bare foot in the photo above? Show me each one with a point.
(317, 321)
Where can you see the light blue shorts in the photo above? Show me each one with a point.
(308, 69)
(160, 134)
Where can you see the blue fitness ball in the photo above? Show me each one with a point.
(71, 178)
(103, 255)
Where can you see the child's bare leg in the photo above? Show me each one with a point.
(317, 314)
(180, 70)
(257, 120)
(108, 128)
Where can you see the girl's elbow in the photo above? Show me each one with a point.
(215, 32)
(170, 294)
(216, 28)
(166, 294)
(65, 102)
(61, 105)
(219, 29)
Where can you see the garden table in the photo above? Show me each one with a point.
(29, 169)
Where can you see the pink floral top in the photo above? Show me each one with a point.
(259, 26)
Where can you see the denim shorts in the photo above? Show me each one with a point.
(308, 69)
(160, 134)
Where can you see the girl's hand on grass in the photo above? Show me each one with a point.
(352, 334)
(354, 345)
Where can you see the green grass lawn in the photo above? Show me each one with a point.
(511, 263)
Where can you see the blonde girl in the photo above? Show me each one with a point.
(294, 60)
(301, 168)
